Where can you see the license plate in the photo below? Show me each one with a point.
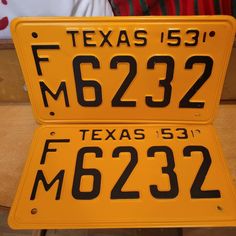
(88, 80)
(124, 69)
(105, 176)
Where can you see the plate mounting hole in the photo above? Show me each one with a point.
(34, 211)
(34, 35)
(52, 113)
(52, 133)
(212, 33)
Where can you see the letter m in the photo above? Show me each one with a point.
(40, 177)
(61, 88)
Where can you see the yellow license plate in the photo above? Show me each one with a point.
(106, 176)
(123, 69)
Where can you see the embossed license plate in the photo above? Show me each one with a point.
(106, 176)
(124, 69)
(164, 75)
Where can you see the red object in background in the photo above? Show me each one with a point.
(4, 22)
(173, 7)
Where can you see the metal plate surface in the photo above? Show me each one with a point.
(112, 176)
(124, 69)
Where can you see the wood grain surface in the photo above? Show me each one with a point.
(16, 130)
(12, 85)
